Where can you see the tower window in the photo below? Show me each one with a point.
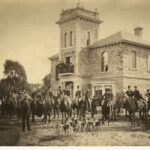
(104, 62)
(65, 40)
(71, 38)
(133, 60)
(88, 38)
(68, 60)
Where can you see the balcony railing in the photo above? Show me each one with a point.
(65, 68)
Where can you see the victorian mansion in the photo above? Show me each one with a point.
(83, 60)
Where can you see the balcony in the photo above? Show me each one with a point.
(65, 69)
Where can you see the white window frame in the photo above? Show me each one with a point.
(103, 66)
(130, 60)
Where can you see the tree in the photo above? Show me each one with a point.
(46, 81)
(15, 78)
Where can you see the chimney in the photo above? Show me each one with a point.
(138, 31)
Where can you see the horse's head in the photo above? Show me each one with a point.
(122, 99)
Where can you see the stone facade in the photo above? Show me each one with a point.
(86, 56)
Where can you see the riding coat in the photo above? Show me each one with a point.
(136, 95)
(129, 93)
(78, 93)
(107, 96)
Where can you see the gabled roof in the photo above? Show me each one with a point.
(121, 37)
(56, 56)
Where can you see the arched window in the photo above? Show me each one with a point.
(88, 38)
(65, 40)
(104, 62)
(71, 38)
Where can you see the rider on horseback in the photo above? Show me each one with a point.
(129, 92)
(107, 97)
(136, 96)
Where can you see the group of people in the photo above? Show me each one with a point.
(137, 95)
(22, 101)
(16, 104)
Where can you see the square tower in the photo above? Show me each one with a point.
(78, 29)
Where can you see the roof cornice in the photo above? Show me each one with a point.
(80, 17)
(119, 42)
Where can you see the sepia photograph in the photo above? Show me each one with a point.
(74, 73)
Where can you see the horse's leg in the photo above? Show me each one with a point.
(114, 114)
(62, 115)
(143, 115)
(58, 112)
(102, 119)
(54, 112)
(134, 118)
(131, 119)
(66, 112)
(146, 114)
(126, 114)
(45, 118)
(108, 119)
(49, 117)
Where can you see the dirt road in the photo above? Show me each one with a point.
(9, 132)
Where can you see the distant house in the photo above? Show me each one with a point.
(114, 62)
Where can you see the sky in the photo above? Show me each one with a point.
(29, 33)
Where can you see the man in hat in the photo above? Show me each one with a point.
(129, 92)
(60, 91)
(82, 107)
(136, 95)
(78, 92)
(93, 107)
(108, 95)
(147, 95)
(25, 107)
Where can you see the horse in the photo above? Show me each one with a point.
(55, 102)
(106, 110)
(116, 106)
(64, 106)
(69, 108)
(47, 108)
(133, 108)
(75, 106)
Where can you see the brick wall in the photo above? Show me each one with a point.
(141, 70)
(90, 62)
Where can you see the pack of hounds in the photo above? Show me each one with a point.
(71, 125)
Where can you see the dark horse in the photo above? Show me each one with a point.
(116, 106)
(106, 110)
(65, 107)
(47, 108)
(39, 108)
(55, 101)
(132, 107)
(75, 107)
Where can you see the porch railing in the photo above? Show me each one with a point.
(65, 68)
